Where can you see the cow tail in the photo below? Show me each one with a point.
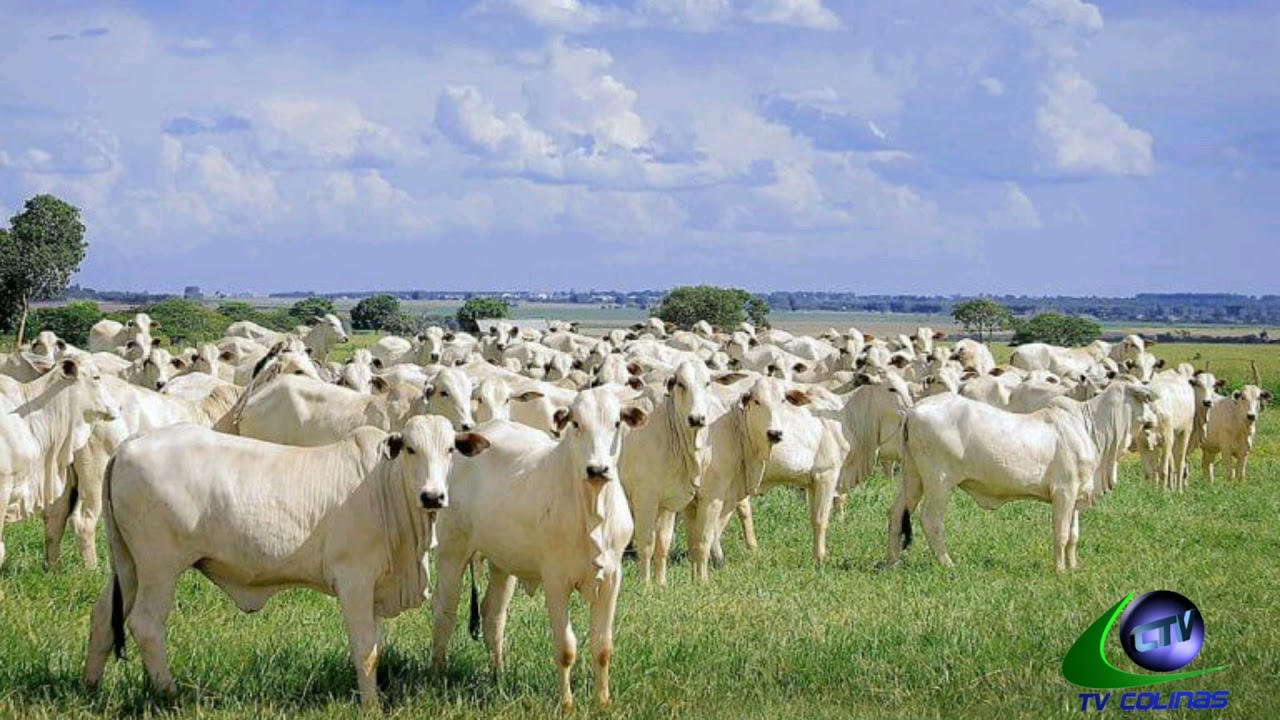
(473, 622)
(910, 477)
(117, 596)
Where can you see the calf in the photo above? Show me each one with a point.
(542, 513)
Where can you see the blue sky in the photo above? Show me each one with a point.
(1030, 146)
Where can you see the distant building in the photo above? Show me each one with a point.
(192, 292)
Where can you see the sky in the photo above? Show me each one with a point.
(872, 146)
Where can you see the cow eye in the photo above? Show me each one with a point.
(617, 425)
(575, 424)
(893, 390)
(410, 450)
(450, 451)
(444, 393)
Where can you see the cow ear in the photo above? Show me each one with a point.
(131, 344)
(157, 341)
(939, 335)
(635, 383)
(561, 418)
(1266, 395)
(635, 368)
(635, 417)
(70, 368)
(996, 372)
(799, 368)
(798, 397)
(731, 378)
(178, 363)
(310, 352)
(395, 443)
(428, 390)
(753, 342)
(745, 399)
(155, 325)
(61, 344)
(1221, 383)
(868, 337)
(1236, 395)
(671, 383)
(1160, 363)
(379, 385)
(514, 332)
(470, 444)
(225, 356)
(528, 395)
(899, 361)
(1053, 380)
(448, 337)
(377, 363)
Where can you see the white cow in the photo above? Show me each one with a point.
(542, 513)
(1230, 429)
(352, 519)
(324, 332)
(1059, 360)
(871, 422)
(661, 465)
(1066, 455)
(108, 335)
(293, 410)
(42, 424)
(973, 355)
(1175, 409)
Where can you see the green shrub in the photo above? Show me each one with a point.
(71, 322)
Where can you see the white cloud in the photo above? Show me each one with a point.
(1018, 212)
(693, 15)
(577, 95)
(467, 118)
(1083, 136)
(799, 13)
(301, 131)
(992, 85)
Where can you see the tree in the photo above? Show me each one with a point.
(982, 316)
(186, 322)
(42, 250)
(722, 307)
(481, 308)
(71, 322)
(1057, 329)
(379, 312)
(312, 307)
(237, 310)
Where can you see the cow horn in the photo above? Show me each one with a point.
(1257, 379)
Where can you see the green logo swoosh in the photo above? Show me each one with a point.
(1086, 664)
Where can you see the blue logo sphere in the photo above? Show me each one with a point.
(1162, 631)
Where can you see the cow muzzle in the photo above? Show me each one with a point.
(774, 436)
(1207, 403)
(433, 500)
(1251, 417)
(598, 473)
(697, 421)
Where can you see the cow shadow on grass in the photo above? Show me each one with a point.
(405, 678)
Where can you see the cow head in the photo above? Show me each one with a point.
(592, 428)
(89, 395)
(158, 368)
(422, 454)
(492, 400)
(357, 376)
(137, 347)
(689, 391)
(48, 344)
(1249, 400)
(762, 409)
(449, 396)
(1203, 384)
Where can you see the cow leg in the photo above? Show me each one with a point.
(666, 533)
(603, 606)
(743, 509)
(493, 609)
(933, 517)
(100, 639)
(838, 504)
(55, 526)
(1206, 463)
(1063, 511)
(702, 533)
(84, 517)
(562, 637)
(646, 514)
(1073, 541)
(147, 621)
(6, 491)
(821, 493)
(444, 606)
(356, 600)
(909, 491)
(1244, 465)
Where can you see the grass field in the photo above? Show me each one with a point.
(770, 637)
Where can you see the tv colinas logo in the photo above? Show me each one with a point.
(1161, 631)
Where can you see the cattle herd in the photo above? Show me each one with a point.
(544, 455)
